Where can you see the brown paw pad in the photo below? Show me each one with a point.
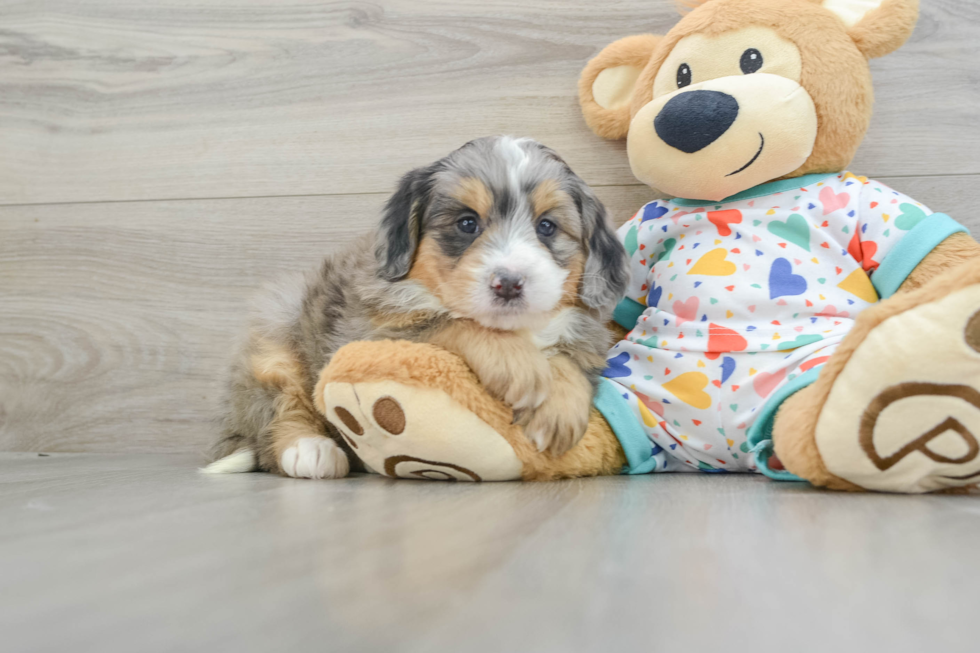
(389, 415)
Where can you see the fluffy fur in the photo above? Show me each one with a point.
(497, 208)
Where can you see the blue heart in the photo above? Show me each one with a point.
(737, 235)
(673, 446)
(652, 212)
(758, 252)
(655, 449)
(653, 298)
(616, 367)
(782, 281)
(727, 367)
(697, 283)
(811, 206)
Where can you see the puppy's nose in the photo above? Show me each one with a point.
(694, 120)
(507, 285)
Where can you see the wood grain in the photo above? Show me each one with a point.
(119, 319)
(144, 99)
(98, 552)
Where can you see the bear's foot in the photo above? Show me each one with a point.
(898, 407)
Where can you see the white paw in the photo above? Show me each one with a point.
(314, 457)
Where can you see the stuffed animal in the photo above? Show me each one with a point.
(784, 316)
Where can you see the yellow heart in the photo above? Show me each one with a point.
(650, 358)
(858, 284)
(731, 443)
(713, 264)
(885, 217)
(700, 363)
(670, 295)
(729, 314)
(752, 371)
(717, 242)
(689, 388)
(814, 259)
(776, 336)
(822, 297)
(771, 212)
(671, 264)
(648, 418)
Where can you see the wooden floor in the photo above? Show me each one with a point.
(141, 553)
(159, 160)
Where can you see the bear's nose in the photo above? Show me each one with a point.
(694, 120)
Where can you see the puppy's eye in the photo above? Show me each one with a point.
(546, 228)
(751, 61)
(683, 75)
(468, 224)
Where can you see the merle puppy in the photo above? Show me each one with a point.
(497, 252)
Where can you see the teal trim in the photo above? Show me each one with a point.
(762, 190)
(760, 433)
(627, 312)
(910, 250)
(619, 414)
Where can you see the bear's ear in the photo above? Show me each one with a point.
(606, 86)
(877, 27)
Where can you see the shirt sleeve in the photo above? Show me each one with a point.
(893, 234)
(631, 307)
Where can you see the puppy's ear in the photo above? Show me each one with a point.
(606, 267)
(401, 226)
(607, 82)
(877, 27)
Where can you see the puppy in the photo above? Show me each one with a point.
(498, 252)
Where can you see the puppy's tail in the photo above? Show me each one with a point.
(242, 460)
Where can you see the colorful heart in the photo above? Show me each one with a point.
(653, 299)
(794, 230)
(722, 219)
(764, 383)
(832, 201)
(652, 212)
(686, 311)
(782, 281)
(616, 367)
(911, 216)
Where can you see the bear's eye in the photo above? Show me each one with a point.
(683, 75)
(751, 61)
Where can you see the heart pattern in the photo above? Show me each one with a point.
(739, 298)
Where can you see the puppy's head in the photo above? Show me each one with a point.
(504, 233)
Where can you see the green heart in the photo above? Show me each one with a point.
(668, 248)
(794, 230)
(714, 301)
(822, 280)
(630, 242)
(911, 216)
(757, 222)
(800, 341)
(744, 447)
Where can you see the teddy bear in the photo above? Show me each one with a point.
(784, 316)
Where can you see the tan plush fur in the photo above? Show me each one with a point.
(428, 366)
(953, 265)
(835, 68)
(630, 51)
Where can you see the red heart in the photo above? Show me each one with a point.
(729, 288)
(722, 219)
(825, 245)
(667, 372)
(874, 204)
(697, 422)
(721, 339)
(783, 245)
(642, 247)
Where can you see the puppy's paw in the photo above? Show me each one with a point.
(558, 424)
(314, 457)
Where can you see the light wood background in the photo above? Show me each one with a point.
(159, 160)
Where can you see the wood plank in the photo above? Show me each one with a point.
(118, 318)
(99, 552)
(143, 99)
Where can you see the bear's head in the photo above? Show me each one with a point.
(741, 92)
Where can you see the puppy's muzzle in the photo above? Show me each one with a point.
(692, 121)
(507, 285)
